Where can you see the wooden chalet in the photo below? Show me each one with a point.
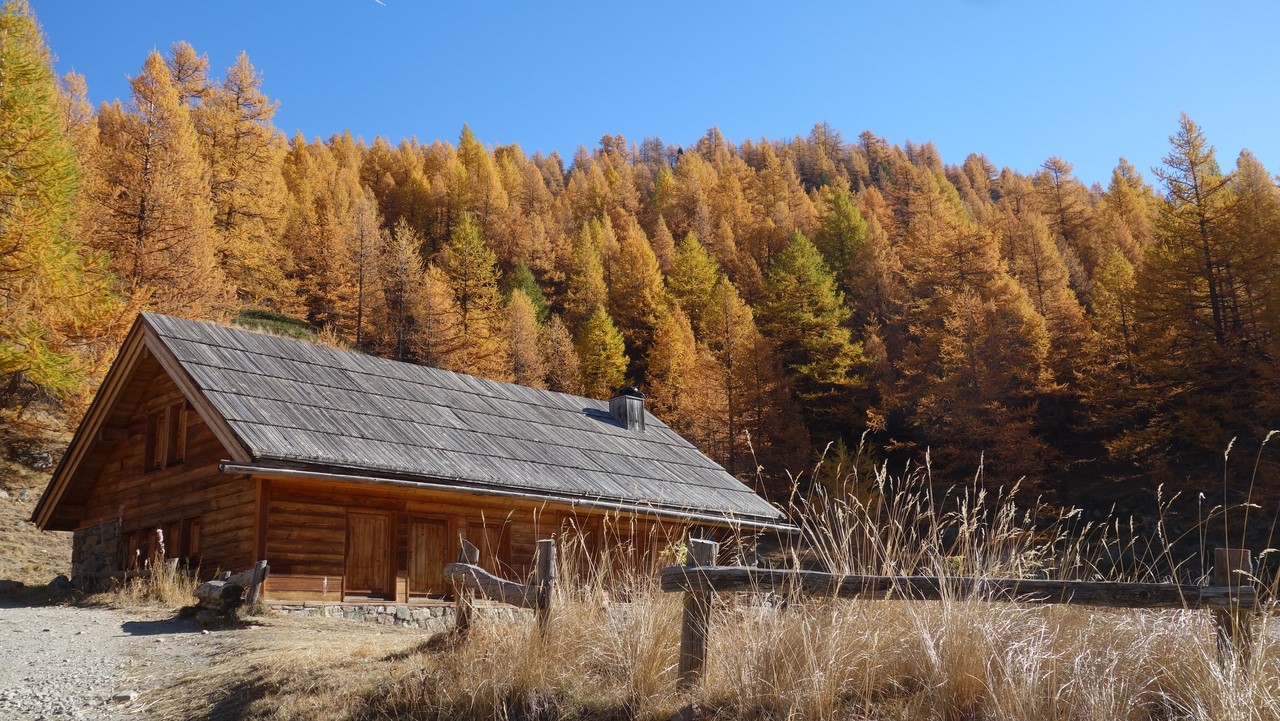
(355, 476)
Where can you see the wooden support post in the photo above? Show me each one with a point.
(697, 615)
(467, 553)
(260, 571)
(1233, 567)
(544, 576)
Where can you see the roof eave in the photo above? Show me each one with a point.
(90, 423)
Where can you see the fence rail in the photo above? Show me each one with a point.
(1231, 602)
(469, 579)
(720, 579)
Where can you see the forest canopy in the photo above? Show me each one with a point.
(776, 299)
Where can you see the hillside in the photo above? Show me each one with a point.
(27, 458)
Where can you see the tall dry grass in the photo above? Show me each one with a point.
(611, 649)
(159, 581)
(963, 657)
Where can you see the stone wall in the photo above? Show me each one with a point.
(95, 555)
(434, 617)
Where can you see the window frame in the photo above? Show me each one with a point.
(166, 437)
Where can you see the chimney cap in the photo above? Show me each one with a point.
(629, 391)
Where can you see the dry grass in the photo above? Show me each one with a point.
(161, 584)
(954, 659)
(769, 658)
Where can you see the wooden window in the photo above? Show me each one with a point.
(154, 459)
(128, 550)
(191, 541)
(176, 434)
(166, 437)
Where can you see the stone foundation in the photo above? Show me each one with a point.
(433, 617)
(95, 555)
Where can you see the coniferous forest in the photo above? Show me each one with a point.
(776, 299)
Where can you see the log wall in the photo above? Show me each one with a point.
(307, 535)
(205, 516)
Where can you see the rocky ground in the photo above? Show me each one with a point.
(62, 661)
(75, 662)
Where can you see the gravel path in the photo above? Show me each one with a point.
(67, 662)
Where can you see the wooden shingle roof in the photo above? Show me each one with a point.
(296, 405)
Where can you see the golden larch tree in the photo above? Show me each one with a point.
(244, 152)
(154, 216)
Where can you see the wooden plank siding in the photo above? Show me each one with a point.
(189, 495)
(309, 525)
(333, 460)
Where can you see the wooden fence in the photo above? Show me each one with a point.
(1230, 600)
(469, 579)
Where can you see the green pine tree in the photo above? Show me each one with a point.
(803, 315)
(602, 355)
(521, 278)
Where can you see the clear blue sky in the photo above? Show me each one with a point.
(1016, 80)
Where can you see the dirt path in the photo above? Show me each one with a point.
(68, 662)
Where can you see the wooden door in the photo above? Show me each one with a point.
(369, 555)
(428, 541)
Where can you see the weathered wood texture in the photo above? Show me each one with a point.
(252, 581)
(494, 588)
(220, 596)
(1233, 568)
(697, 617)
(190, 495)
(468, 579)
(544, 578)
(817, 583)
(468, 555)
(307, 537)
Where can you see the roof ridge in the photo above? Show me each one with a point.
(417, 367)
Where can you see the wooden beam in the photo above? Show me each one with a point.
(1090, 593)
(262, 500)
(697, 617)
(494, 588)
(544, 578)
(1233, 568)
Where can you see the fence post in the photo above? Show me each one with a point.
(544, 575)
(467, 553)
(697, 614)
(260, 571)
(1232, 567)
